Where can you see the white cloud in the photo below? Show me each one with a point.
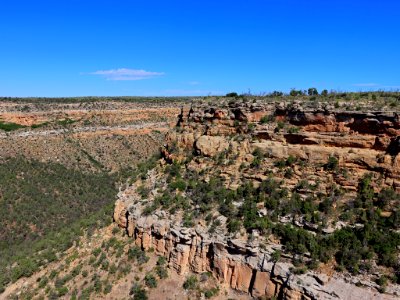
(365, 84)
(126, 74)
(193, 82)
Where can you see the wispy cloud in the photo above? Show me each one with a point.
(126, 74)
(365, 84)
(193, 82)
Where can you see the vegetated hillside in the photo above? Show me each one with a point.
(102, 263)
(43, 208)
(60, 170)
(106, 264)
(285, 196)
(276, 200)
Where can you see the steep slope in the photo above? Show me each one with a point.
(275, 200)
(61, 165)
(251, 199)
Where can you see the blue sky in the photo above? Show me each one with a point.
(82, 48)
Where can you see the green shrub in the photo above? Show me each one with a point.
(174, 170)
(63, 280)
(258, 157)
(365, 192)
(113, 269)
(289, 173)
(382, 281)
(290, 161)
(161, 261)
(107, 288)
(33, 126)
(85, 295)
(190, 283)
(43, 282)
(178, 184)
(10, 126)
(125, 269)
(161, 272)
(276, 256)
(76, 271)
(135, 253)
(138, 292)
(211, 293)
(332, 164)
(97, 285)
(150, 281)
(143, 191)
(53, 274)
(61, 291)
(188, 220)
(300, 270)
(233, 225)
(66, 122)
(251, 127)
(256, 163)
(293, 129)
(267, 119)
(96, 251)
(385, 197)
(279, 126)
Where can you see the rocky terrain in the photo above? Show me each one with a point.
(100, 267)
(327, 168)
(276, 197)
(90, 136)
(61, 163)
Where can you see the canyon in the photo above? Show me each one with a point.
(242, 197)
(359, 142)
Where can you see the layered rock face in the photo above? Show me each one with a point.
(233, 262)
(360, 142)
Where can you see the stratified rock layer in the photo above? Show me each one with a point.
(361, 142)
(234, 263)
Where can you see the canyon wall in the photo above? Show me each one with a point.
(361, 142)
(234, 263)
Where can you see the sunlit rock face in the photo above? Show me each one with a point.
(360, 142)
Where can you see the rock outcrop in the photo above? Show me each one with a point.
(234, 263)
(359, 142)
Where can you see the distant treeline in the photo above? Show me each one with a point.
(314, 92)
(378, 99)
(351, 100)
(49, 100)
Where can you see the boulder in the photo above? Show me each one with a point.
(211, 145)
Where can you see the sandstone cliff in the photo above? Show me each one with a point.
(235, 263)
(249, 142)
